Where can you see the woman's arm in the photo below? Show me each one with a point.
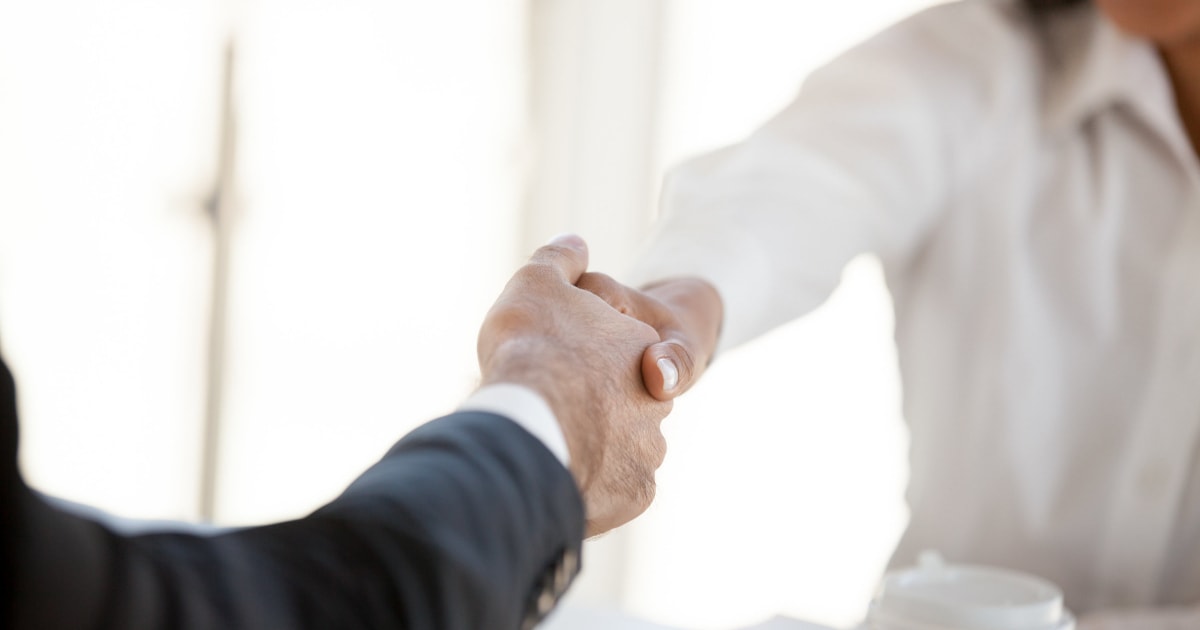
(864, 159)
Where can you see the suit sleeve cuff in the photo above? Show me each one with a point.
(525, 407)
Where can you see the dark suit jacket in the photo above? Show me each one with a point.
(468, 522)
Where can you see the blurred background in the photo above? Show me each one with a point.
(245, 246)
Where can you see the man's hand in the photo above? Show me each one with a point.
(686, 313)
(583, 357)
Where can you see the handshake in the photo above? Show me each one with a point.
(608, 359)
(467, 523)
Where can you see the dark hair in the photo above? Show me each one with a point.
(1044, 6)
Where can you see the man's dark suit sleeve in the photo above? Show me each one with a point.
(469, 522)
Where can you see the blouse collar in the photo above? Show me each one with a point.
(1096, 67)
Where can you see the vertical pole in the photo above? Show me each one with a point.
(594, 99)
(594, 105)
(219, 209)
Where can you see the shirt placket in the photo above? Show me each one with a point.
(1155, 470)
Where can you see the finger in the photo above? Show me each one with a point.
(604, 287)
(628, 301)
(668, 369)
(566, 255)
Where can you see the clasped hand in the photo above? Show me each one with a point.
(608, 360)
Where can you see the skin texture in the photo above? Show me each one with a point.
(584, 358)
(1168, 23)
(686, 313)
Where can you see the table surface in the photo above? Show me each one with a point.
(570, 617)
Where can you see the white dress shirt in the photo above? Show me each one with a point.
(525, 407)
(1036, 205)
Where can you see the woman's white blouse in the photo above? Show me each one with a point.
(1036, 204)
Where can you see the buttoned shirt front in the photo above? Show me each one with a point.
(1036, 204)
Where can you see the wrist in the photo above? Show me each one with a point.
(698, 308)
(550, 381)
(527, 408)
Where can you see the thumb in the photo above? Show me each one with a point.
(668, 368)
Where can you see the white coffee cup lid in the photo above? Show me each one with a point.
(938, 596)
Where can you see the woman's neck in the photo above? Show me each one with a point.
(1183, 66)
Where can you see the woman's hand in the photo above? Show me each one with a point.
(686, 313)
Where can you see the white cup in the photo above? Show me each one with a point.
(939, 596)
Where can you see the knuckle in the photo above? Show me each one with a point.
(552, 252)
(558, 258)
(538, 272)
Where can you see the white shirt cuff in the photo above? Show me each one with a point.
(525, 407)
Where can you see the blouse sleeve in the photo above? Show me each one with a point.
(860, 161)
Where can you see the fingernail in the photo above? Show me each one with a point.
(567, 239)
(670, 373)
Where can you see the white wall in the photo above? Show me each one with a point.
(376, 219)
(104, 257)
(380, 181)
